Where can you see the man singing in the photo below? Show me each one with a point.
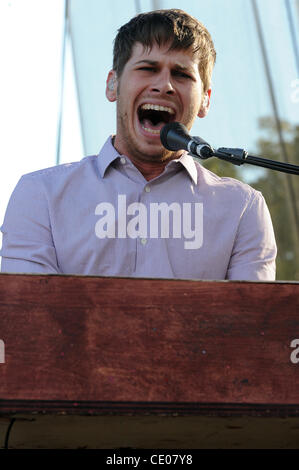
(137, 209)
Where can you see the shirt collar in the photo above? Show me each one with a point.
(108, 154)
(188, 163)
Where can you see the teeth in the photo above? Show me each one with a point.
(157, 107)
(151, 130)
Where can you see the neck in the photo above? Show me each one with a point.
(149, 170)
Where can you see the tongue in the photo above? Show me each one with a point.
(147, 123)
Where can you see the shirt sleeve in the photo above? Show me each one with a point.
(27, 245)
(254, 252)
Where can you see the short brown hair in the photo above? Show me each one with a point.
(164, 26)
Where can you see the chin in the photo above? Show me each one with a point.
(154, 155)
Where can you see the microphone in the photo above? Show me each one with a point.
(175, 136)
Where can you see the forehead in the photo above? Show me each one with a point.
(180, 57)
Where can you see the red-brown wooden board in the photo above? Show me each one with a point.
(92, 343)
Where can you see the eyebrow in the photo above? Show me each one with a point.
(144, 61)
(155, 63)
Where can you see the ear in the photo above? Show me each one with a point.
(205, 106)
(111, 86)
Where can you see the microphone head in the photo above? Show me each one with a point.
(174, 136)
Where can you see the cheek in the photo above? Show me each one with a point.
(126, 100)
(193, 103)
(129, 88)
(191, 109)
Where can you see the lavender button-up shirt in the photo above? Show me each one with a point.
(100, 216)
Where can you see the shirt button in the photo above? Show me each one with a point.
(147, 189)
(143, 241)
(123, 160)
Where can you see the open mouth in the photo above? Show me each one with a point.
(153, 117)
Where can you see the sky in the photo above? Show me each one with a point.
(31, 33)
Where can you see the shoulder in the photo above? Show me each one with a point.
(89, 165)
(54, 181)
(63, 170)
(226, 187)
(38, 188)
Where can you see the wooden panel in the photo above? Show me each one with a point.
(150, 432)
(77, 338)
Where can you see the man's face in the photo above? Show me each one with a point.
(157, 86)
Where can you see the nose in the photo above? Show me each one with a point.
(162, 83)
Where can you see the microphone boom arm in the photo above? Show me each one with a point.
(175, 136)
(240, 156)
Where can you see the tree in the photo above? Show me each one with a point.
(272, 185)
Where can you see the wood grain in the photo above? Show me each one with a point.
(117, 340)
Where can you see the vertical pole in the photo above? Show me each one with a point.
(297, 7)
(156, 5)
(137, 6)
(293, 32)
(290, 190)
(60, 109)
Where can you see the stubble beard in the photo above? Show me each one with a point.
(133, 149)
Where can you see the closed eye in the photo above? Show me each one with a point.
(181, 74)
(175, 73)
(147, 68)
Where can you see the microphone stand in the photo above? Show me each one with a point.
(240, 156)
